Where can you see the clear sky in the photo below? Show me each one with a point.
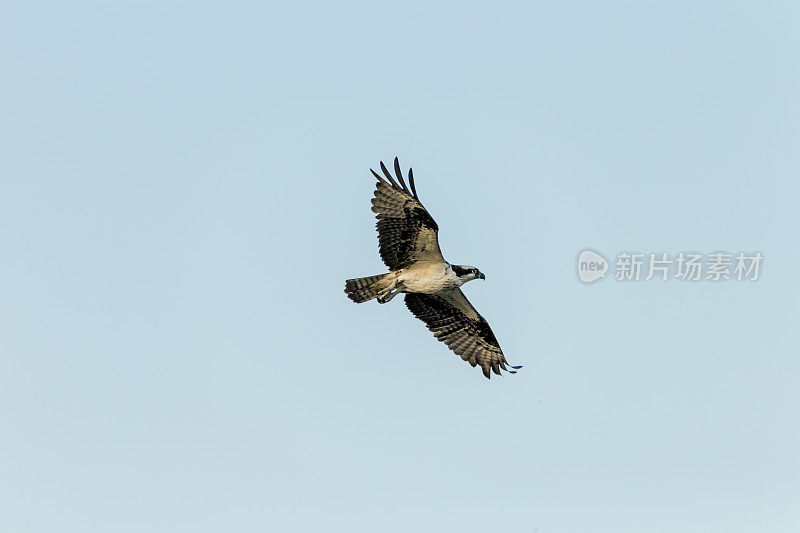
(185, 186)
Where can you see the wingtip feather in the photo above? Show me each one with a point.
(389, 175)
(378, 176)
(411, 180)
(399, 174)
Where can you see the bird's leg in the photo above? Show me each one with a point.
(388, 293)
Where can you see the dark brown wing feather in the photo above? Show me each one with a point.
(454, 321)
(406, 231)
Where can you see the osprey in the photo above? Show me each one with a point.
(409, 245)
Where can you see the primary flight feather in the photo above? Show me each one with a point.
(408, 240)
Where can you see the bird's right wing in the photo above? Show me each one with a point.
(454, 321)
(406, 231)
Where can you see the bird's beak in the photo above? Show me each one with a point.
(481, 275)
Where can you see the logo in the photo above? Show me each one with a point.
(591, 266)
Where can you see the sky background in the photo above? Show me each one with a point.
(185, 186)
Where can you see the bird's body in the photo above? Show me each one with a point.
(428, 278)
(409, 245)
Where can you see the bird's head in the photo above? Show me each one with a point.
(467, 273)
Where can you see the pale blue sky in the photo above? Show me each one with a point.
(185, 187)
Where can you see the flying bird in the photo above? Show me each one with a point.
(408, 240)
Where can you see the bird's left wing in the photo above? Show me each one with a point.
(407, 233)
(454, 321)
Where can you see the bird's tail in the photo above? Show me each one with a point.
(363, 289)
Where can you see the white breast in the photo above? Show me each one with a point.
(428, 278)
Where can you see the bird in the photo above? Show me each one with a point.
(408, 242)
